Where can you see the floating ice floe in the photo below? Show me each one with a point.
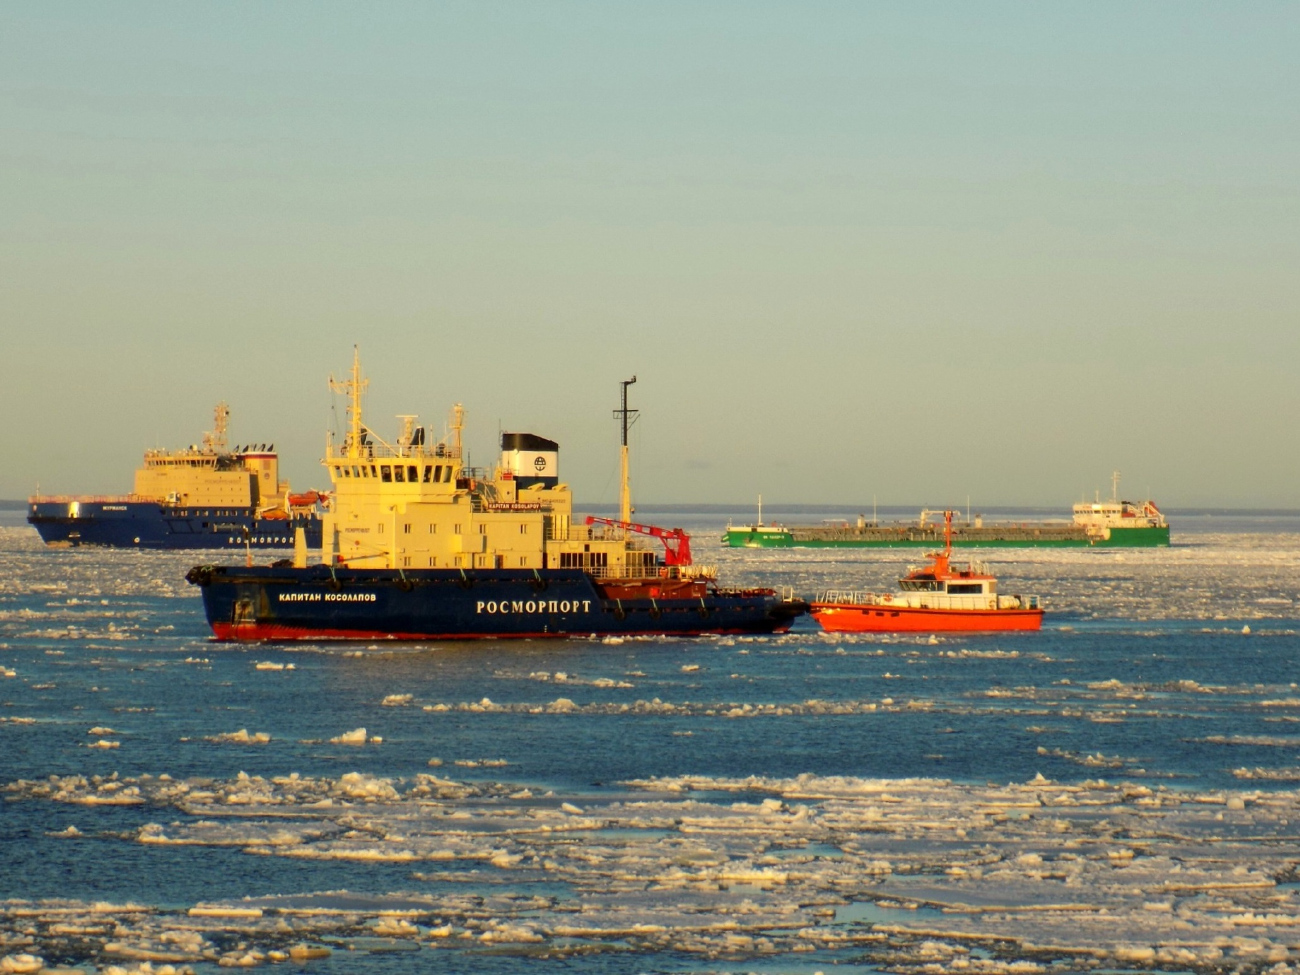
(240, 737)
(356, 737)
(1058, 876)
(21, 964)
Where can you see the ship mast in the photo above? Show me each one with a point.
(1114, 485)
(353, 387)
(457, 425)
(627, 418)
(215, 442)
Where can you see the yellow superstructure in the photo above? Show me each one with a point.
(210, 474)
(414, 504)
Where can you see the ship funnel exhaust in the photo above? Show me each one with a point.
(530, 459)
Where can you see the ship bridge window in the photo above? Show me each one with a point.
(965, 588)
(345, 472)
(428, 472)
(412, 473)
(374, 472)
(385, 473)
(584, 560)
(920, 585)
(446, 474)
(399, 475)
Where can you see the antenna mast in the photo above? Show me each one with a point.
(1114, 485)
(353, 387)
(457, 425)
(215, 442)
(627, 418)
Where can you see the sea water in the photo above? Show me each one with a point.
(1117, 790)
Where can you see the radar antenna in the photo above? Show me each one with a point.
(408, 430)
(353, 387)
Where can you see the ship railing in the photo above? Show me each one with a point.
(574, 533)
(1019, 602)
(697, 572)
(631, 572)
(851, 597)
(90, 498)
(665, 572)
(599, 533)
(383, 451)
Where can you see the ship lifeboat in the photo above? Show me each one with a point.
(936, 598)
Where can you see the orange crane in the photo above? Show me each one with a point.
(677, 544)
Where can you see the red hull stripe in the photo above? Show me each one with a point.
(863, 619)
(260, 632)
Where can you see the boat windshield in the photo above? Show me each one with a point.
(920, 585)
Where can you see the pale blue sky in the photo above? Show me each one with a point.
(916, 251)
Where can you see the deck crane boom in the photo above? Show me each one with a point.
(677, 544)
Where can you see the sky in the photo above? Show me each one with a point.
(912, 251)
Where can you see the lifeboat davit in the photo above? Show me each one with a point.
(936, 598)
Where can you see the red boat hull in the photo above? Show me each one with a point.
(850, 618)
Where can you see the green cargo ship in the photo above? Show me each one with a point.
(1102, 524)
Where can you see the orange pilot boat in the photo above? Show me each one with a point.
(938, 597)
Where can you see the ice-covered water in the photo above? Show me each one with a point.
(1118, 791)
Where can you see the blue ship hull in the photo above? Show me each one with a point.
(150, 524)
(281, 603)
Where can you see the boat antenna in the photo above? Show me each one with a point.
(626, 417)
(760, 511)
(947, 534)
(1114, 485)
(353, 387)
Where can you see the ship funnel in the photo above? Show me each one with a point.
(530, 459)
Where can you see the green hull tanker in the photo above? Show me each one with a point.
(1103, 524)
(914, 536)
